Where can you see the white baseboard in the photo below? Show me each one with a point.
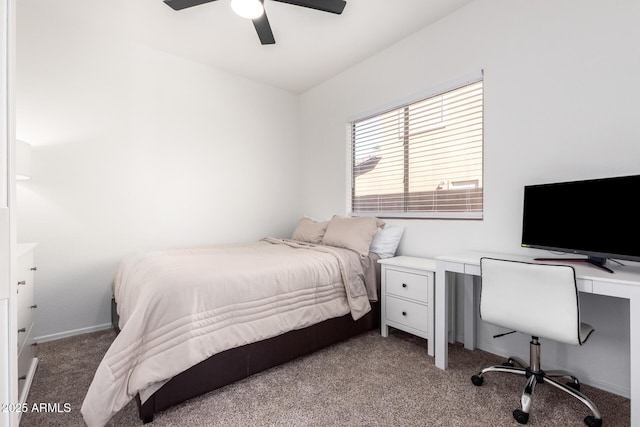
(66, 334)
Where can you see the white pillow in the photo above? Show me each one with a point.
(386, 241)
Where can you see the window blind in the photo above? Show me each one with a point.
(422, 159)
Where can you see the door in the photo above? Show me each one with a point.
(8, 344)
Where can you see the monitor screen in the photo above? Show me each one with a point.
(598, 218)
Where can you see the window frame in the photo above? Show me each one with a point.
(397, 105)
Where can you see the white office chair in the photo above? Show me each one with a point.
(542, 301)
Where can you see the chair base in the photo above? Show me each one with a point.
(535, 377)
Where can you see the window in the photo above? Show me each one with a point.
(422, 159)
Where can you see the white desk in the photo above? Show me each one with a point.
(624, 283)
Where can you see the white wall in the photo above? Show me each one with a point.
(561, 96)
(134, 150)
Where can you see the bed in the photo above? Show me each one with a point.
(193, 320)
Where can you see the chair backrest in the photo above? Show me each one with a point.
(537, 299)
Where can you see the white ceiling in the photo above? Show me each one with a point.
(311, 46)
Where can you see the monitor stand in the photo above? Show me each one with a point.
(595, 261)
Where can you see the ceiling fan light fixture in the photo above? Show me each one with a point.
(249, 9)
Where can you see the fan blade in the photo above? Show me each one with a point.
(333, 6)
(183, 4)
(264, 29)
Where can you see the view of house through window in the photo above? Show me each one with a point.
(422, 159)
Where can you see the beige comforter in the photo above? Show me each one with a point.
(180, 307)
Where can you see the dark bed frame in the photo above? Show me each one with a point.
(235, 364)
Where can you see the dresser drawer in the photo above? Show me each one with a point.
(408, 285)
(407, 313)
(24, 337)
(25, 361)
(25, 306)
(25, 269)
(25, 317)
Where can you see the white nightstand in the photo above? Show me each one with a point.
(407, 296)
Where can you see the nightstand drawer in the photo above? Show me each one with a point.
(408, 285)
(407, 313)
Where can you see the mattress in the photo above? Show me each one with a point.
(177, 308)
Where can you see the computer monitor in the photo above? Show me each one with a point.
(598, 218)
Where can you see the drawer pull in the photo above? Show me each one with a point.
(404, 313)
(22, 330)
(22, 377)
(22, 282)
(34, 306)
(34, 268)
(404, 285)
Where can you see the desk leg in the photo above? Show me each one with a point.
(384, 329)
(469, 313)
(634, 354)
(441, 317)
(451, 286)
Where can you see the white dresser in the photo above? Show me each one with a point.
(26, 307)
(407, 297)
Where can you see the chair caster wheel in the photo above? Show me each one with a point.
(508, 363)
(477, 380)
(520, 416)
(592, 421)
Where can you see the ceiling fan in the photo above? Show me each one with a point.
(254, 10)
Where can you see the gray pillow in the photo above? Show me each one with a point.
(309, 230)
(355, 233)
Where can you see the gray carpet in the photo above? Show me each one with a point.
(366, 381)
